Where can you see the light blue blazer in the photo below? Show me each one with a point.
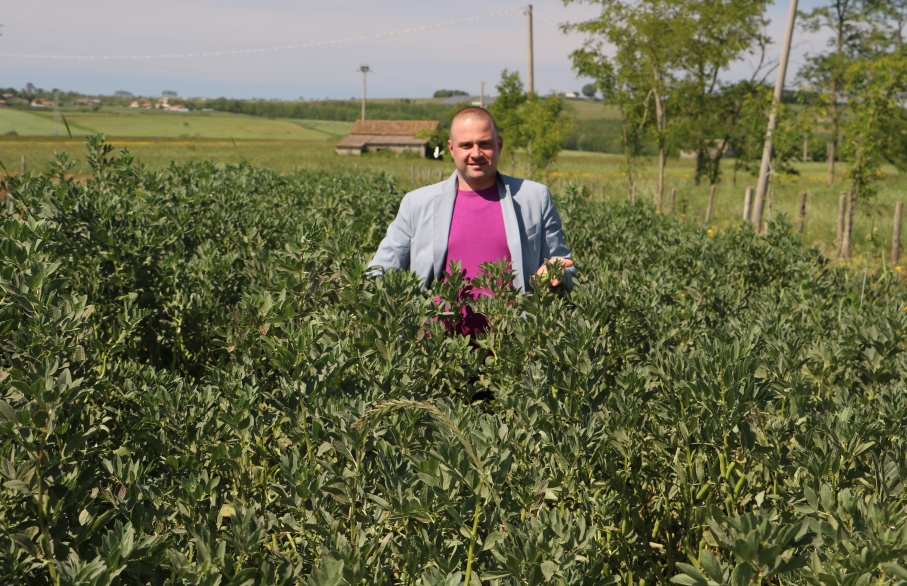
(417, 238)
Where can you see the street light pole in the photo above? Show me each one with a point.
(365, 71)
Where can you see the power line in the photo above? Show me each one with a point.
(261, 50)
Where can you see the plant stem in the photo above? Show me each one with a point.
(472, 542)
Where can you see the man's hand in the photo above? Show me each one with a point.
(556, 262)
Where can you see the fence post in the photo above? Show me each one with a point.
(802, 220)
(295, 168)
(673, 199)
(747, 203)
(22, 166)
(560, 185)
(842, 212)
(440, 174)
(711, 206)
(896, 235)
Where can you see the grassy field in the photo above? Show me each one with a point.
(231, 139)
(131, 122)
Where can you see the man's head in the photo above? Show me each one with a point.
(475, 146)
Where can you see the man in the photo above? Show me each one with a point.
(477, 215)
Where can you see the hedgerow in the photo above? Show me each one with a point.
(202, 384)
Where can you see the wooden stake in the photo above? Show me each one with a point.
(295, 168)
(22, 166)
(673, 199)
(842, 211)
(440, 174)
(560, 185)
(711, 206)
(802, 220)
(747, 203)
(896, 235)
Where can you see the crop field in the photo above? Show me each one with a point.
(200, 384)
(603, 174)
(131, 122)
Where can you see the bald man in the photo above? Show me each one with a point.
(477, 215)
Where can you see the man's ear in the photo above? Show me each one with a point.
(449, 147)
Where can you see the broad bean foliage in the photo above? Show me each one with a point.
(201, 384)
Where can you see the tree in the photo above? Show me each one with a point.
(849, 21)
(644, 33)
(530, 122)
(589, 90)
(875, 124)
(669, 54)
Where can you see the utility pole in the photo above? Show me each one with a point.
(365, 71)
(482, 96)
(56, 112)
(530, 75)
(762, 185)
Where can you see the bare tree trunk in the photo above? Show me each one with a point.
(831, 162)
(661, 125)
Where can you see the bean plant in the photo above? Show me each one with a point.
(201, 383)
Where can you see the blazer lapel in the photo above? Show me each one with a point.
(443, 213)
(512, 228)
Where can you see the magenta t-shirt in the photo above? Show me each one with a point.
(477, 233)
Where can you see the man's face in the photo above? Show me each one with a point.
(475, 148)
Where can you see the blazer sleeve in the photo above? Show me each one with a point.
(553, 238)
(394, 250)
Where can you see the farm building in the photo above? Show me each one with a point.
(398, 136)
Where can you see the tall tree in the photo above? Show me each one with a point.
(646, 35)
(848, 21)
(683, 46)
(528, 121)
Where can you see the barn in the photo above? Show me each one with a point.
(398, 136)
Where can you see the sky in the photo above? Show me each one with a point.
(330, 40)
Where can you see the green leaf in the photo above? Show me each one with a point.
(712, 566)
(742, 574)
(895, 570)
(549, 568)
(493, 539)
(328, 573)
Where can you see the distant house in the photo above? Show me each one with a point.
(398, 136)
(39, 103)
(134, 104)
(2, 102)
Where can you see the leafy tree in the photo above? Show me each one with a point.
(528, 121)
(449, 93)
(669, 57)
(851, 23)
(589, 90)
(875, 124)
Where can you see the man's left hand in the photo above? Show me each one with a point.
(557, 261)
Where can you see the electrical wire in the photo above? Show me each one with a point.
(260, 50)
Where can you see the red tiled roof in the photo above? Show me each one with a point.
(393, 127)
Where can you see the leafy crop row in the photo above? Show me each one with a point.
(200, 384)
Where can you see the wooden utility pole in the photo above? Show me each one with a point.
(482, 96)
(530, 74)
(762, 185)
(365, 71)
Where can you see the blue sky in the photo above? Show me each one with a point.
(415, 64)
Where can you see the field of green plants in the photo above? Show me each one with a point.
(201, 384)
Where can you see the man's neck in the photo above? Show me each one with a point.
(465, 185)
